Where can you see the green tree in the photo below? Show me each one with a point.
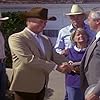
(14, 24)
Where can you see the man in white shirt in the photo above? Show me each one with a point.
(77, 17)
(2, 63)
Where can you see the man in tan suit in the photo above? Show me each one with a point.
(33, 57)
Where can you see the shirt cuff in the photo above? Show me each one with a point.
(55, 67)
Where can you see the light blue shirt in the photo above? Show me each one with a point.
(63, 40)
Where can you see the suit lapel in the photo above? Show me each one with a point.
(89, 52)
(34, 42)
(37, 45)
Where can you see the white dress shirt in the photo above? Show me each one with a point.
(98, 35)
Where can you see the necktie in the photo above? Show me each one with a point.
(40, 42)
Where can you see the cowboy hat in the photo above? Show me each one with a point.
(75, 10)
(38, 12)
(3, 18)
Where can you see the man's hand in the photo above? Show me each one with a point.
(75, 66)
(92, 96)
(64, 68)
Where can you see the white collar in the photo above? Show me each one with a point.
(31, 31)
(34, 34)
(98, 35)
(78, 49)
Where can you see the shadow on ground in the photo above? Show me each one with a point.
(49, 93)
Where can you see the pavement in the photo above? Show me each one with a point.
(55, 90)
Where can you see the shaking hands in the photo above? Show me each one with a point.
(68, 67)
(64, 68)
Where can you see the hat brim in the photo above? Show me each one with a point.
(5, 18)
(68, 14)
(30, 15)
(52, 18)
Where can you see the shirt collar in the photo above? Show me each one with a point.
(71, 28)
(31, 31)
(78, 49)
(98, 35)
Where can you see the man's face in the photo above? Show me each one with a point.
(92, 22)
(77, 20)
(36, 25)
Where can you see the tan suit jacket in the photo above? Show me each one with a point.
(30, 67)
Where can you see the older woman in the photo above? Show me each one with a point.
(72, 80)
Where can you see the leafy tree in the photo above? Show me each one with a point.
(14, 24)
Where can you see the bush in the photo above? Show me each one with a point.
(15, 23)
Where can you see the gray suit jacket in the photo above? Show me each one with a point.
(90, 67)
(30, 67)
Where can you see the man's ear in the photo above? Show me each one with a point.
(98, 21)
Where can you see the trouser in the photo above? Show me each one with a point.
(3, 78)
(74, 93)
(66, 95)
(29, 96)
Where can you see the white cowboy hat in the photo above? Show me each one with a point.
(75, 10)
(3, 18)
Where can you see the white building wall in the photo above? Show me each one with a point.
(57, 10)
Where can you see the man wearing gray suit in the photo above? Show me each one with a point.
(33, 57)
(90, 66)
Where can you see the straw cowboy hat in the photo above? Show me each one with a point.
(38, 12)
(3, 18)
(75, 10)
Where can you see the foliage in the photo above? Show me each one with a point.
(14, 24)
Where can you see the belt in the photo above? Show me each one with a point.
(2, 60)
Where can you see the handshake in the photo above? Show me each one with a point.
(69, 67)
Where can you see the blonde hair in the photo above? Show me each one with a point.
(74, 32)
